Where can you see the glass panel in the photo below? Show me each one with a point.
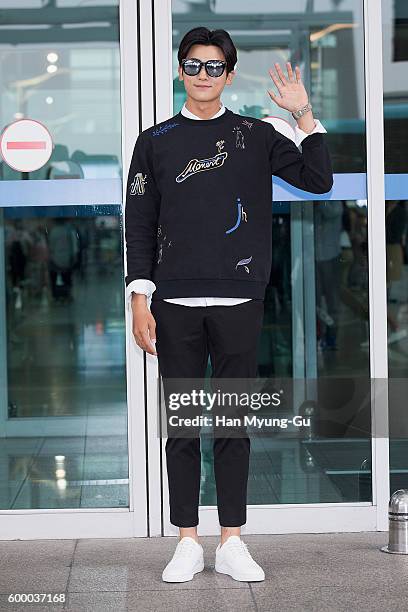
(65, 76)
(63, 410)
(316, 305)
(395, 56)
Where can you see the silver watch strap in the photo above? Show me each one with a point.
(299, 113)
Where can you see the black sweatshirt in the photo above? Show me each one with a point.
(198, 216)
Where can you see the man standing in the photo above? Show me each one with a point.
(198, 224)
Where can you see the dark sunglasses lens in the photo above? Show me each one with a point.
(215, 69)
(191, 68)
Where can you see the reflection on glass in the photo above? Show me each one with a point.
(66, 76)
(342, 287)
(65, 357)
(395, 53)
(330, 56)
(396, 219)
(316, 303)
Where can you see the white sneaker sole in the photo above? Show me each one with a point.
(185, 577)
(223, 568)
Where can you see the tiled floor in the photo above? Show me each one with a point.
(305, 573)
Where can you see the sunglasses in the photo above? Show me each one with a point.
(192, 67)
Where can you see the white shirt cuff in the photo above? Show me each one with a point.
(300, 134)
(141, 285)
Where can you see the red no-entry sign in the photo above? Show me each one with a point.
(26, 145)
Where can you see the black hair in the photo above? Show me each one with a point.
(204, 36)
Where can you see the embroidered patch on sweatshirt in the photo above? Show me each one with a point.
(239, 138)
(137, 186)
(240, 215)
(161, 243)
(243, 262)
(163, 129)
(200, 165)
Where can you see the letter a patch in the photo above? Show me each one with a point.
(138, 185)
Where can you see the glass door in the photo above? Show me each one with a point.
(395, 91)
(322, 294)
(72, 380)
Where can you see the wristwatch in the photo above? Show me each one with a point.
(299, 113)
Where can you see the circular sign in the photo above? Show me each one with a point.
(26, 145)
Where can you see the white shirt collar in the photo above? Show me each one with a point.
(184, 111)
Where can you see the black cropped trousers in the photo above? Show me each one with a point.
(185, 337)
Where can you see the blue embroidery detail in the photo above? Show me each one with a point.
(163, 129)
(238, 219)
(241, 214)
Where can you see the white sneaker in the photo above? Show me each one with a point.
(233, 558)
(188, 559)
